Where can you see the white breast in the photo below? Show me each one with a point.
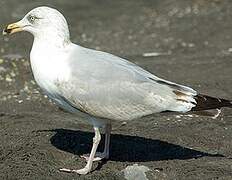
(49, 65)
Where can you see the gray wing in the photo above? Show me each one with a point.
(110, 87)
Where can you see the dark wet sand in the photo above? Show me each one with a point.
(195, 42)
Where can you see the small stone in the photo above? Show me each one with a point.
(13, 64)
(8, 78)
(124, 123)
(20, 101)
(230, 50)
(2, 69)
(191, 45)
(12, 74)
(135, 172)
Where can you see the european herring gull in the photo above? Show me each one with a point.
(97, 85)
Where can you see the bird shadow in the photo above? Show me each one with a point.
(124, 147)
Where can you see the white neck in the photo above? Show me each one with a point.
(55, 40)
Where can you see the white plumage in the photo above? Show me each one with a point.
(98, 85)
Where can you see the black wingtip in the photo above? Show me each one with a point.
(205, 102)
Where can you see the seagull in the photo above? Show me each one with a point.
(96, 85)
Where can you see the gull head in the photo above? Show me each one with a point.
(43, 22)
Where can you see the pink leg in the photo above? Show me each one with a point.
(105, 154)
(88, 166)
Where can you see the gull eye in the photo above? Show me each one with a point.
(31, 18)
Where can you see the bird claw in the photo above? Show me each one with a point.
(98, 156)
(83, 171)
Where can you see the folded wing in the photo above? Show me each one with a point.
(110, 87)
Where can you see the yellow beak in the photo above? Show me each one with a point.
(12, 28)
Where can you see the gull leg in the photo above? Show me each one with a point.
(105, 154)
(89, 164)
(107, 141)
